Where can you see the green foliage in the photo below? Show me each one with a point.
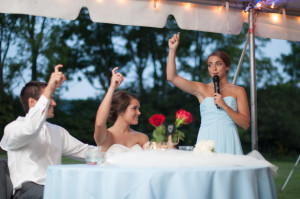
(10, 109)
(77, 117)
(8, 31)
(179, 135)
(159, 134)
(91, 49)
(278, 118)
(291, 62)
(6, 113)
(291, 190)
(33, 31)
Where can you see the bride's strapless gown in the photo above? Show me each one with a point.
(218, 126)
(119, 148)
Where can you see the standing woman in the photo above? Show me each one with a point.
(216, 124)
(123, 109)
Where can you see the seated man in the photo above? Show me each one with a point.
(32, 144)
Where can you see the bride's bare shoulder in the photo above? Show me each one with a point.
(141, 136)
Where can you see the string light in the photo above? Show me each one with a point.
(258, 5)
(273, 5)
(188, 5)
(218, 9)
(155, 3)
(275, 17)
(265, 4)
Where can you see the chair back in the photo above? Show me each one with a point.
(6, 187)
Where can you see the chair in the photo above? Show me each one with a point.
(6, 187)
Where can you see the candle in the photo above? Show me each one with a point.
(154, 146)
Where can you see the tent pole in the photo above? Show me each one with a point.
(254, 138)
(290, 173)
(241, 60)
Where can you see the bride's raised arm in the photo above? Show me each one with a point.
(100, 133)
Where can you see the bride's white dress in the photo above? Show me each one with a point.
(119, 148)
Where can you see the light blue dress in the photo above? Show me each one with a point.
(218, 126)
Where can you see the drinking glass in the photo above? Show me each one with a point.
(186, 148)
(94, 156)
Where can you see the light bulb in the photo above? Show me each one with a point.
(155, 3)
(273, 5)
(258, 5)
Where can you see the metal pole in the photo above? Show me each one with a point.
(253, 80)
(290, 173)
(241, 60)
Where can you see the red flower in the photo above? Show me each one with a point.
(181, 113)
(157, 119)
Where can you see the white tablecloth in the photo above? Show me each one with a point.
(121, 178)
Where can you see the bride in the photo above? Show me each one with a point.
(123, 109)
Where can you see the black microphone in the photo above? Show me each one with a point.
(216, 85)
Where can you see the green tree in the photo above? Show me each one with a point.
(8, 30)
(278, 118)
(92, 46)
(77, 117)
(291, 62)
(33, 39)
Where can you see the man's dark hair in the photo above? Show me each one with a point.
(31, 90)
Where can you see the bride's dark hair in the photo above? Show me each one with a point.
(119, 104)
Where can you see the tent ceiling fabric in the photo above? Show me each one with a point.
(201, 15)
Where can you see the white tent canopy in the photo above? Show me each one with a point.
(282, 21)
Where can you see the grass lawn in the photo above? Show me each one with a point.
(70, 161)
(291, 191)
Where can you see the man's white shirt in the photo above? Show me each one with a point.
(32, 144)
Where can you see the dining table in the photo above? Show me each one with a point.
(163, 175)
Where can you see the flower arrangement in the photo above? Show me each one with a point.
(159, 133)
(205, 146)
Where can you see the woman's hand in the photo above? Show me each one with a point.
(174, 41)
(242, 117)
(100, 133)
(116, 79)
(218, 99)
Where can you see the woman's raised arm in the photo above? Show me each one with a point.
(100, 132)
(180, 82)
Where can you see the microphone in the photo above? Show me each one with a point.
(216, 85)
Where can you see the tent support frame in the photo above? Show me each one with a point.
(241, 60)
(254, 138)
